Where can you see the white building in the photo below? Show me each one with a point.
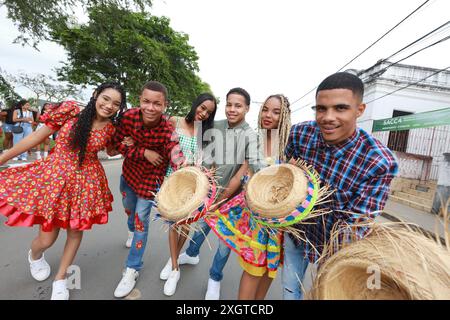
(419, 151)
(430, 94)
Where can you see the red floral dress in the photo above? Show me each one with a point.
(55, 191)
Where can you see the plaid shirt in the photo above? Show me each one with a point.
(360, 171)
(143, 177)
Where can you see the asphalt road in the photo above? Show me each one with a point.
(101, 258)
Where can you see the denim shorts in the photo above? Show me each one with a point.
(7, 128)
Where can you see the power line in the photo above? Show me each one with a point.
(398, 61)
(409, 85)
(392, 64)
(388, 94)
(379, 39)
(370, 46)
(407, 57)
(418, 40)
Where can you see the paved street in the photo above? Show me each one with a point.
(102, 255)
(101, 258)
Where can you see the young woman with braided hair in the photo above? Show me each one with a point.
(274, 121)
(68, 189)
(258, 247)
(260, 267)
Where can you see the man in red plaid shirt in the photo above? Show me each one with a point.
(155, 147)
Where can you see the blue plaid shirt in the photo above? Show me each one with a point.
(360, 171)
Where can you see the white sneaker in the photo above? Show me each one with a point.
(165, 272)
(40, 269)
(127, 283)
(171, 284)
(186, 259)
(45, 154)
(129, 239)
(38, 155)
(59, 290)
(213, 292)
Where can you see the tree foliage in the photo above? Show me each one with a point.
(44, 86)
(35, 19)
(7, 92)
(132, 48)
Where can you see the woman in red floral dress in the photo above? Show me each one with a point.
(68, 189)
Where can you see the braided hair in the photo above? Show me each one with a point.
(284, 124)
(82, 128)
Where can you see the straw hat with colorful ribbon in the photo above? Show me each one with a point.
(282, 195)
(186, 195)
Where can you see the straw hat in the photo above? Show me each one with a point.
(409, 266)
(184, 194)
(283, 194)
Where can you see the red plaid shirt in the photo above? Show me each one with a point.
(143, 177)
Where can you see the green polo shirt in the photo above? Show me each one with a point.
(230, 147)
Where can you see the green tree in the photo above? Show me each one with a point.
(7, 92)
(35, 19)
(132, 48)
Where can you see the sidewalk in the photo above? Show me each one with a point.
(428, 222)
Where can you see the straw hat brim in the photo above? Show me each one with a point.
(276, 191)
(390, 263)
(182, 193)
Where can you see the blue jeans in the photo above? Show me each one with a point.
(221, 256)
(17, 137)
(294, 269)
(138, 210)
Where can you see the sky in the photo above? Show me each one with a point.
(268, 47)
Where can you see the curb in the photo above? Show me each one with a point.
(428, 233)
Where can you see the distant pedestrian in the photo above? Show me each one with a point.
(40, 116)
(23, 119)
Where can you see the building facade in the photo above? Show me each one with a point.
(420, 151)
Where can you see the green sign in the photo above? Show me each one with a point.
(414, 121)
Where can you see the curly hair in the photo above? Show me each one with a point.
(82, 128)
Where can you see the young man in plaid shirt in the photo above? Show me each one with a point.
(352, 162)
(155, 146)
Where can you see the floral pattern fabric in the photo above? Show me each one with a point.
(259, 248)
(55, 191)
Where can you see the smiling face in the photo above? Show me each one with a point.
(336, 113)
(270, 114)
(235, 109)
(204, 110)
(26, 106)
(153, 104)
(108, 103)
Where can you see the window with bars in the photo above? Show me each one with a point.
(398, 140)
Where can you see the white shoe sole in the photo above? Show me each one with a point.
(165, 272)
(44, 274)
(183, 260)
(122, 294)
(170, 290)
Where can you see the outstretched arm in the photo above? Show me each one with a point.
(27, 143)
